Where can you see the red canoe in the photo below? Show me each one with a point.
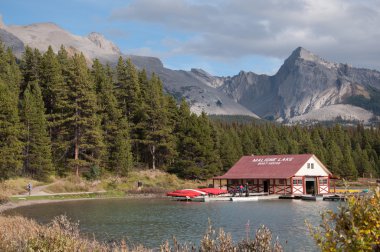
(187, 193)
(192, 193)
(213, 191)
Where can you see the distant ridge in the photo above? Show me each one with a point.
(306, 88)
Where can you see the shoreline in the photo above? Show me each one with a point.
(13, 205)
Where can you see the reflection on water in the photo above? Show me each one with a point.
(152, 221)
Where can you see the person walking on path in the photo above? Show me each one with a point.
(29, 188)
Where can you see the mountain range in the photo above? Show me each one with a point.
(306, 88)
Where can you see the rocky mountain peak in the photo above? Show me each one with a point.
(100, 41)
(2, 25)
(300, 55)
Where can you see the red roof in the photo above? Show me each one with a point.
(266, 167)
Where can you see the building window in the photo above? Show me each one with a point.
(297, 182)
(323, 182)
(310, 165)
(281, 181)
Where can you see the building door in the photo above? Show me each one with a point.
(266, 185)
(310, 186)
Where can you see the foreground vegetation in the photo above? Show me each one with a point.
(354, 227)
(21, 234)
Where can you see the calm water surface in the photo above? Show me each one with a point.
(152, 221)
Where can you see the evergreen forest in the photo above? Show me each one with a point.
(59, 116)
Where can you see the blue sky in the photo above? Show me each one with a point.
(219, 36)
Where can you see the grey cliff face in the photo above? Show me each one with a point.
(305, 83)
(12, 42)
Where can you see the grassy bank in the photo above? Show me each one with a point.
(153, 182)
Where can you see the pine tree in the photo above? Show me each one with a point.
(128, 89)
(37, 152)
(121, 158)
(197, 146)
(59, 105)
(10, 71)
(118, 156)
(347, 165)
(83, 130)
(228, 151)
(52, 85)
(157, 132)
(30, 66)
(10, 127)
(10, 131)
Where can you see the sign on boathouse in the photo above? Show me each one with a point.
(279, 174)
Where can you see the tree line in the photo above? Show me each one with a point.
(348, 152)
(59, 116)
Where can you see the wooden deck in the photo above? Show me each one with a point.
(335, 198)
(266, 196)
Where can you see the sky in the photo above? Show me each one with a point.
(222, 37)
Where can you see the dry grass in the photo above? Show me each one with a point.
(21, 234)
(16, 186)
(152, 180)
(73, 184)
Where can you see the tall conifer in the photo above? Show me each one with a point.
(10, 131)
(118, 157)
(37, 152)
(84, 128)
(157, 131)
(10, 127)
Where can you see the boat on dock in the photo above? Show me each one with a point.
(201, 194)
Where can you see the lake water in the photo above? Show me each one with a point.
(152, 221)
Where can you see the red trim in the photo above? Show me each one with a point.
(291, 183)
(328, 184)
(304, 184)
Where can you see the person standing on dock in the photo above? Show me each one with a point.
(246, 190)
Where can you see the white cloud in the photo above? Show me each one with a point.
(339, 30)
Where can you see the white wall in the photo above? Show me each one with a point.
(316, 171)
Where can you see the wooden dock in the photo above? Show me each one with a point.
(311, 197)
(335, 198)
(290, 196)
(254, 198)
(258, 197)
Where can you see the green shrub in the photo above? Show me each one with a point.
(94, 173)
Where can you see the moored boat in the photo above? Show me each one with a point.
(195, 194)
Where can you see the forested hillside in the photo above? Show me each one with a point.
(58, 116)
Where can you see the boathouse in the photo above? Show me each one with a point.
(278, 174)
